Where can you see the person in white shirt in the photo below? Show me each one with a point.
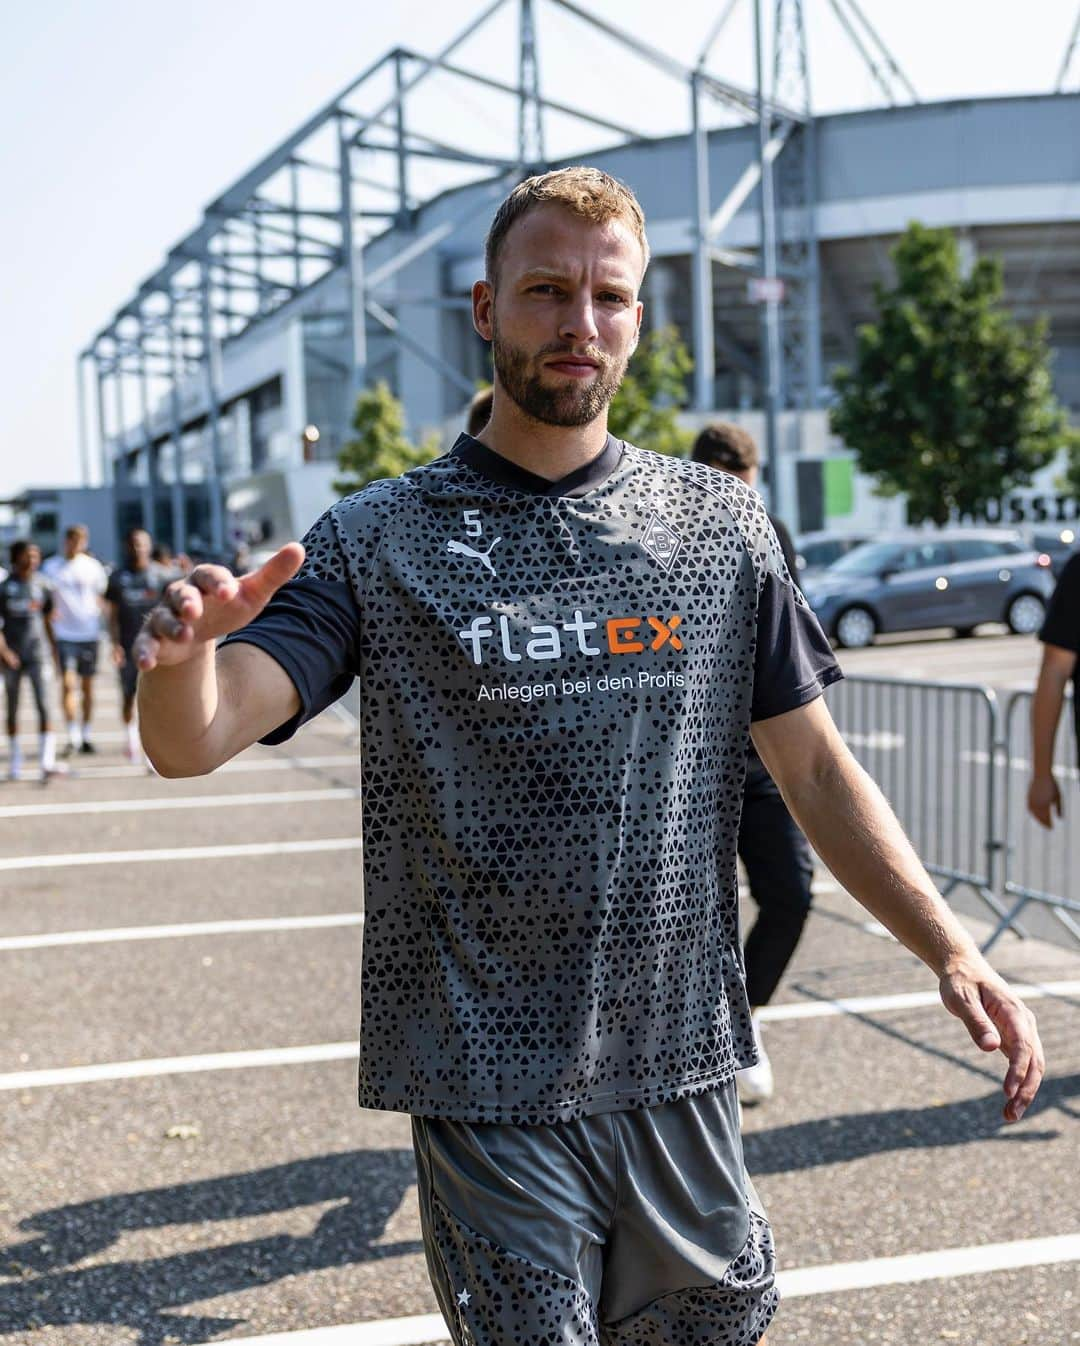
(79, 583)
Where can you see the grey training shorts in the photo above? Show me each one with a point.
(636, 1228)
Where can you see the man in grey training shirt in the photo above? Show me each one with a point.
(562, 643)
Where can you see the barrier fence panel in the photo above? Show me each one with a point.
(930, 747)
(1040, 866)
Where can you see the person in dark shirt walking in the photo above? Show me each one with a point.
(1060, 637)
(132, 591)
(27, 650)
(779, 866)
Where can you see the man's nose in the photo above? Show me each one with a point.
(578, 321)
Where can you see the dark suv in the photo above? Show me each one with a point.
(910, 581)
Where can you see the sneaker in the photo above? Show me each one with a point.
(48, 772)
(87, 746)
(755, 1083)
(68, 749)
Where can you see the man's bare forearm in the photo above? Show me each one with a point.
(178, 709)
(853, 829)
(1045, 717)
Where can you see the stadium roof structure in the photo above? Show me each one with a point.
(369, 161)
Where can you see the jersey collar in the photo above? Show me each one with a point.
(497, 468)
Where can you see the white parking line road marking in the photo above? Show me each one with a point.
(338, 1051)
(795, 1284)
(241, 764)
(157, 804)
(179, 1065)
(873, 1004)
(942, 1265)
(124, 933)
(419, 1331)
(240, 849)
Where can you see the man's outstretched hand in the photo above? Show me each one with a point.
(209, 604)
(998, 1020)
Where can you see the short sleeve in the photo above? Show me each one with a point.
(1062, 624)
(311, 627)
(112, 588)
(793, 660)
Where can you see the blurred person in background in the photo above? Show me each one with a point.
(779, 866)
(132, 591)
(27, 646)
(78, 582)
(1060, 636)
(479, 411)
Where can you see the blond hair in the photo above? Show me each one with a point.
(588, 193)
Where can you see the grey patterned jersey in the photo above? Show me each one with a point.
(557, 682)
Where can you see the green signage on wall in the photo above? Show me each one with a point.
(839, 486)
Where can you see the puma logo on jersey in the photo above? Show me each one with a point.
(463, 549)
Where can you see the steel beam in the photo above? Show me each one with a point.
(150, 486)
(770, 324)
(352, 258)
(179, 512)
(84, 429)
(215, 480)
(417, 347)
(704, 349)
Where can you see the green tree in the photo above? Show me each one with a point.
(380, 448)
(1070, 478)
(646, 407)
(949, 399)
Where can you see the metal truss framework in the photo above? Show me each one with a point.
(306, 210)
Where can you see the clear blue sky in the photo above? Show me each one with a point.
(123, 118)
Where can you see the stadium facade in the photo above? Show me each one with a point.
(1002, 172)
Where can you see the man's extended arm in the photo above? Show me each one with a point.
(1043, 793)
(853, 829)
(199, 706)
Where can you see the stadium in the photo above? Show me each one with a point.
(220, 392)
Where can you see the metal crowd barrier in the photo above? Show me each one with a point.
(1040, 866)
(931, 749)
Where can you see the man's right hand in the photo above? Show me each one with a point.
(1043, 799)
(209, 604)
(11, 659)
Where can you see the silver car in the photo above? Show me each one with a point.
(911, 581)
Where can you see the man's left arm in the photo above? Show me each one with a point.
(853, 829)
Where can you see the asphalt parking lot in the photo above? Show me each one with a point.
(183, 1160)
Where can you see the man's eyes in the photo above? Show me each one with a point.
(605, 296)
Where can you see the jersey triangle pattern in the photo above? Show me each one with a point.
(553, 752)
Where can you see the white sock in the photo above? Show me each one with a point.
(15, 758)
(84, 732)
(48, 751)
(134, 746)
(75, 734)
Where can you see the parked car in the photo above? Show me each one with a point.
(910, 581)
(817, 551)
(1058, 541)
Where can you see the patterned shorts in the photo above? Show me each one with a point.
(636, 1228)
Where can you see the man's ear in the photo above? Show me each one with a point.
(637, 329)
(483, 308)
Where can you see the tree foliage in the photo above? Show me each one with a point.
(1070, 480)
(646, 407)
(949, 399)
(380, 447)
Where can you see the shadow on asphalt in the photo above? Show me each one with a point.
(837, 1140)
(369, 1184)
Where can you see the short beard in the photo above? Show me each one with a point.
(572, 405)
